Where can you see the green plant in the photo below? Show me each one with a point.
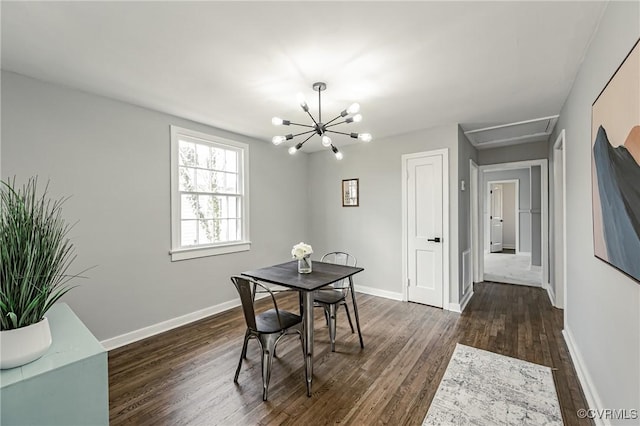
(35, 254)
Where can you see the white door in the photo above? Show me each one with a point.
(424, 229)
(496, 218)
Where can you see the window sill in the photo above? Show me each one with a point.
(196, 252)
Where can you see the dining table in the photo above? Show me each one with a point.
(322, 274)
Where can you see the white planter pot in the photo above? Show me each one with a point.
(23, 345)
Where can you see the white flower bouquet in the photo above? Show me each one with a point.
(301, 250)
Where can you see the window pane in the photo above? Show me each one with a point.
(188, 233)
(188, 206)
(203, 156)
(238, 230)
(218, 156)
(231, 183)
(207, 232)
(208, 206)
(233, 207)
(222, 207)
(203, 181)
(187, 153)
(231, 163)
(226, 182)
(187, 179)
(224, 230)
(233, 230)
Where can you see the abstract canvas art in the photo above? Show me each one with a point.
(615, 168)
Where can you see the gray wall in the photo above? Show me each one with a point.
(602, 314)
(509, 215)
(524, 196)
(373, 230)
(507, 154)
(113, 158)
(466, 152)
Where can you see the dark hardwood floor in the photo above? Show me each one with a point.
(185, 376)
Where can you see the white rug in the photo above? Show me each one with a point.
(484, 388)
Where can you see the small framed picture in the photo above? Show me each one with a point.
(350, 193)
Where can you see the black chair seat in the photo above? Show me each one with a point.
(267, 322)
(329, 296)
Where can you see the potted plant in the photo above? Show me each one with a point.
(35, 255)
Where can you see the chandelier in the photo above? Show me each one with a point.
(319, 128)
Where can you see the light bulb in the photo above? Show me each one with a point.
(357, 118)
(365, 137)
(277, 140)
(292, 150)
(353, 108)
(326, 141)
(302, 101)
(276, 121)
(339, 155)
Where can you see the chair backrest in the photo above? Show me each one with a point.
(247, 290)
(340, 258)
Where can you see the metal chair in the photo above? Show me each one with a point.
(267, 327)
(335, 295)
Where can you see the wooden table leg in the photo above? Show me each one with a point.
(308, 337)
(355, 310)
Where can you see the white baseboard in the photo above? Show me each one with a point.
(161, 327)
(590, 392)
(509, 246)
(378, 292)
(459, 307)
(550, 292)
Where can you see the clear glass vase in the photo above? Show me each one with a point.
(304, 265)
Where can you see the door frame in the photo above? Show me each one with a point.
(544, 193)
(561, 145)
(473, 218)
(404, 176)
(516, 211)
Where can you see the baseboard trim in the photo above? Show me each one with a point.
(590, 392)
(170, 324)
(550, 292)
(459, 307)
(378, 292)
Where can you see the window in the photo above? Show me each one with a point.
(209, 195)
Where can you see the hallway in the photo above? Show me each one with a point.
(512, 269)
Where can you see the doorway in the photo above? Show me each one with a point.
(425, 225)
(528, 264)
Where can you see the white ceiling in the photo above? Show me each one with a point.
(234, 65)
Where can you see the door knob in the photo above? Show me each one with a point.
(435, 240)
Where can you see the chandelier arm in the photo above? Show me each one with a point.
(331, 121)
(303, 142)
(313, 119)
(302, 125)
(305, 133)
(340, 133)
(342, 122)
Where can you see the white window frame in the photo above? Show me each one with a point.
(182, 253)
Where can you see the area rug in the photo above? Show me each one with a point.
(484, 388)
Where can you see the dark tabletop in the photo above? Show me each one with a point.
(286, 275)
